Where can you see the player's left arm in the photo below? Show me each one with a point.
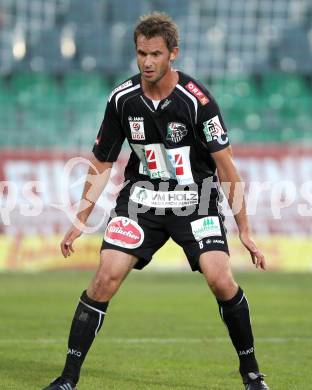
(233, 189)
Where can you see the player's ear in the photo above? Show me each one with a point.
(174, 53)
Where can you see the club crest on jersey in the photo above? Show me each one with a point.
(213, 129)
(194, 89)
(175, 132)
(137, 128)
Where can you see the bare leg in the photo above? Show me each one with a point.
(113, 269)
(215, 266)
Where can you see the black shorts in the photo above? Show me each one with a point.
(141, 231)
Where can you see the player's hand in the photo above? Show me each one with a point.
(69, 238)
(257, 256)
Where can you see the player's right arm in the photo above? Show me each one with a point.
(96, 180)
(106, 150)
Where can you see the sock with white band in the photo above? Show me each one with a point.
(87, 322)
(235, 314)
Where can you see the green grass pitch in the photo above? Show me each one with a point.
(162, 331)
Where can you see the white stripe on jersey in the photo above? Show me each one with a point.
(193, 98)
(120, 87)
(120, 94)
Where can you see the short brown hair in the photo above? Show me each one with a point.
(158, 24)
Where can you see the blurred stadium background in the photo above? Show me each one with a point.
(59, 59)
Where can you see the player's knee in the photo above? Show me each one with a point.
(104, 286)
(223, 287)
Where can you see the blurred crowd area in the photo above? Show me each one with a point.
(59, 59)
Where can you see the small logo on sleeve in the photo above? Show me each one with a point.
(120, 88)
(213, 129)
(195, 90)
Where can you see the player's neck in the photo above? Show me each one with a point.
(163, 87)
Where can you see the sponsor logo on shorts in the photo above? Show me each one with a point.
(163, 199)
(195, 90)
(213, 129)
(137, 128)
(206, 227)
(209, 241)
(124, 232)
(218, 241)
(175, 132)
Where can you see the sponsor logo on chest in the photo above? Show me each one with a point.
(137, 128)
(206, 227)
(160, 163)
(163, 199)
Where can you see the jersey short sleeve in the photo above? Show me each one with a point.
(110, 136)
(211, 127)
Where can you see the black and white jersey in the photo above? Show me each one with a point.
(170, 141)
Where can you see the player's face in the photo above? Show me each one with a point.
(153, 57)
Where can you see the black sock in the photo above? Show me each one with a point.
(87, 322)
(235, 314)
